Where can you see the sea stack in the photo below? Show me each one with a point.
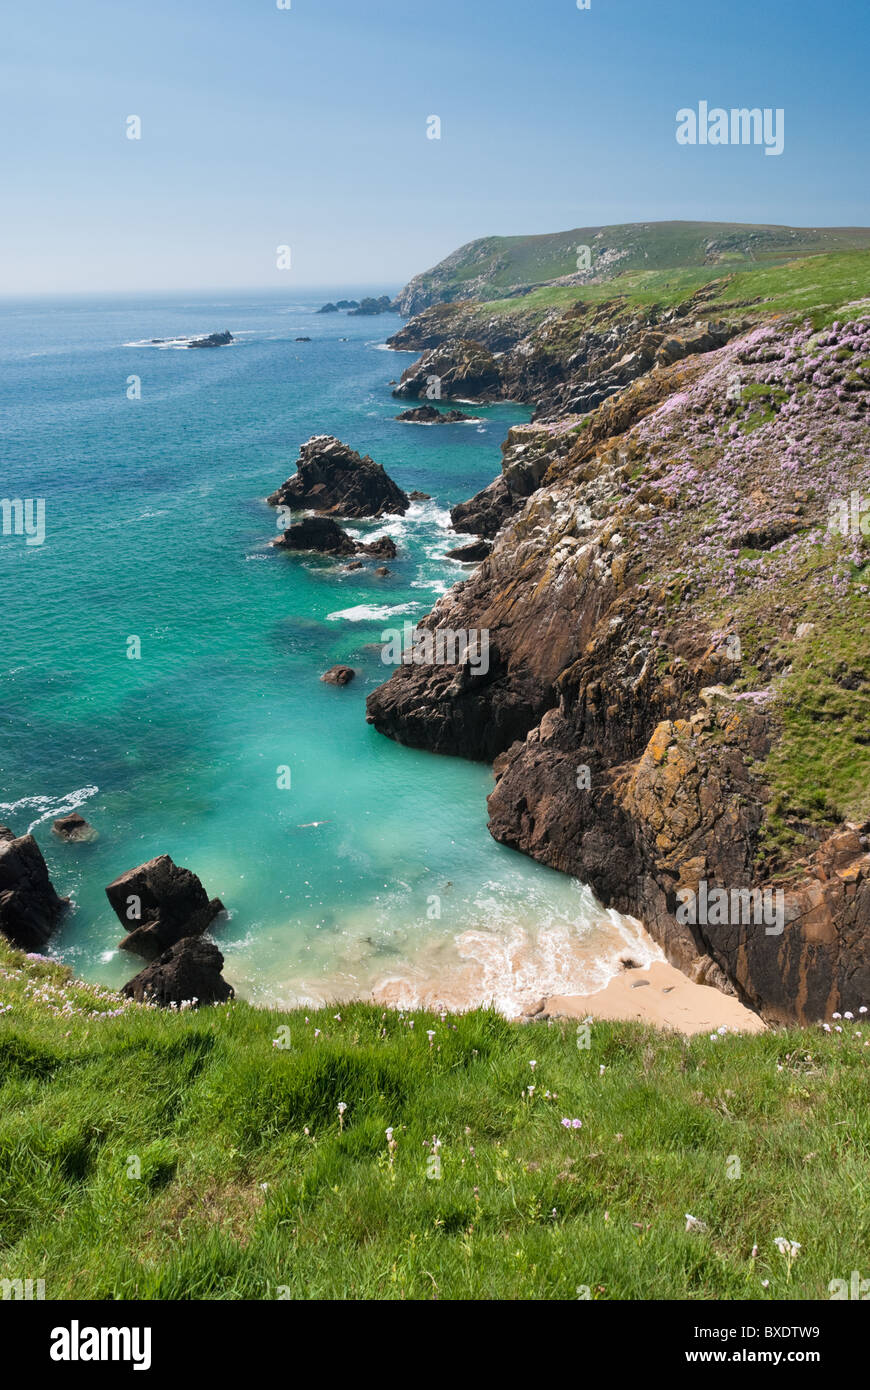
(333, 479)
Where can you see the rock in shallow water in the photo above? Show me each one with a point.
(332, 478)
(74, 828)
(188, 973)
(338, 675)
(161, 903)
(29, 906)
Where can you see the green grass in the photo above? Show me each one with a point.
(207, 1111)
(491, 265)
(819, 769)
(814, 289)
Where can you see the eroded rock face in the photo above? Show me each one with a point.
(29, 906)
(332, 478)
(462, 370)
(643, 674)
(527, 454)
(188, 973)
(562, 362)
(161, 903)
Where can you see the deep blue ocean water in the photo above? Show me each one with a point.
(157, 528)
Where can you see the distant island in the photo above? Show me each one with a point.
(365, 307)
(213, 340)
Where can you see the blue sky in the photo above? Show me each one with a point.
(307, 127)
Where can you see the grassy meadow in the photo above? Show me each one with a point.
(204, 1155)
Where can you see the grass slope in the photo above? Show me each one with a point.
(485, 268)
(249, 1186)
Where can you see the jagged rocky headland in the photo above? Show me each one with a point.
(678, 693)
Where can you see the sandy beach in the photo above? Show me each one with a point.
(659, 994)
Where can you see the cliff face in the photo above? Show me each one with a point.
(678, 694)
(562, 361)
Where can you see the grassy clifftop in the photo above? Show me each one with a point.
(493, 267)
(157, 1155)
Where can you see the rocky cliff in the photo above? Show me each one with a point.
(678, 693)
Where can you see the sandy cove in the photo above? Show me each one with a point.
(663, 996)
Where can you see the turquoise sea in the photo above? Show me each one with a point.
(156, 528)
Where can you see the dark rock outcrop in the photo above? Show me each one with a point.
(332, 478)
(428, 415)
(213, 340)
(161, 903)
(324, 535)
(338, 675)
(29, 906)
(188, 973)
(74, 828)
(319, 533)
(470, 554)
(384, 548)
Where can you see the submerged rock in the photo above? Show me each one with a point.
(338, 675)
(332, 478)
(188, 973)
(29, 906)
(74, 828)
(161, 903)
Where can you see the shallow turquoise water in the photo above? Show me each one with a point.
(156, 528)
